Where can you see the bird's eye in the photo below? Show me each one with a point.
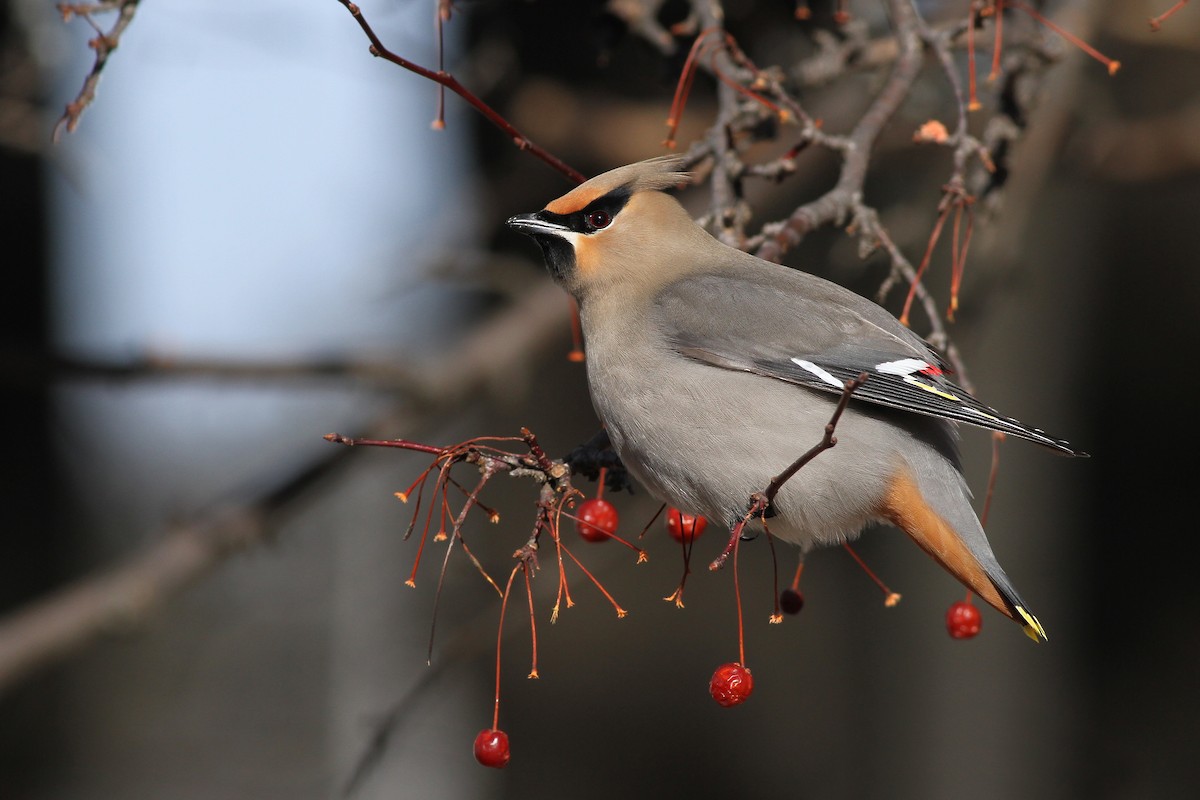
(597, 220)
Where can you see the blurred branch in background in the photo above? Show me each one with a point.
(477, 371)
(448, 81)
(795, 152)
(103, 43)
(753, 104)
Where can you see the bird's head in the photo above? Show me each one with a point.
(617, 229)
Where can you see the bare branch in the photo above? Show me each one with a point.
(104, 43)
(443, 78)
(837, 204)
(760, 502)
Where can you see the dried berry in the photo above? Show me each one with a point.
(731, 684)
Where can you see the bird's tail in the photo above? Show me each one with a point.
(944, 525)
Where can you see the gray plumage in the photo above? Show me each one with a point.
(713, 370)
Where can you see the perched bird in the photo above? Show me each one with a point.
(713, 370)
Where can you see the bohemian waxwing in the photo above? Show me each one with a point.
(713, 370)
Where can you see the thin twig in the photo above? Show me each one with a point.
(104, 43)
(760, 502)
(443, 78)
(837, 204)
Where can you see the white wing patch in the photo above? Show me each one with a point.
(992, 416)
(905, 366)
(809, 366)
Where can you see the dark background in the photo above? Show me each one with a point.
(1078, 316)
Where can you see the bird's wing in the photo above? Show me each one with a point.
(801, 329)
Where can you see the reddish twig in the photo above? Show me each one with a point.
(954, 200)
(993, 474)
(500, 641)
(760, 502)
(973, 103)
(776, 613)
(890, 598)
(997, 47)
(737, 594)
(1111, 64)
(445, 79)
(533, 669)
(1156, 22)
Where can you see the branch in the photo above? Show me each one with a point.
(68, 620)
(836, 205)
(125, 597)
(104, 44)
(760, 502)
(828, 440)
(443, 78)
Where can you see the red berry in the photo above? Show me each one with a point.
(791, 601)
(597, 520)
(684, 527)
(963, 621)
(491, 748)
(731, 684)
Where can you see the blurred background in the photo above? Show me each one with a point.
(254, 238)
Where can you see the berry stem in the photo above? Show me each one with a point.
(533, 670)
(973, 103)
(620, 611)
(993, 473)
(564, 590)
(1156, 22)
(777, 614)
(499, 640)
(998, 46)
(737, 593)
(641, 553)
(799, 569)
(1111, 64)
(890, 597)
(653, 519)
(958, 263)
(686, 546)
(412, 577)
(684, 87)
(943, 212)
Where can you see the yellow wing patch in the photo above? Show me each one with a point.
(1033, 629)
(929, 388)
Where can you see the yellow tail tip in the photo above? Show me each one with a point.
(1033, 629)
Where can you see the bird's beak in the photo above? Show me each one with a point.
(534, 225)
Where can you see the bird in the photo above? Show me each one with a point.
(712, 370)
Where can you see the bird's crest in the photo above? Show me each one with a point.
(653, 174)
